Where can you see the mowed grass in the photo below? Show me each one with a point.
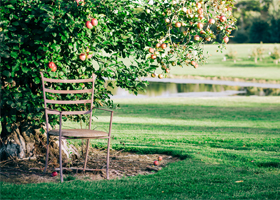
(229, 149)
(243, 68)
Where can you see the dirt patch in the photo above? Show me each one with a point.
(121, 164)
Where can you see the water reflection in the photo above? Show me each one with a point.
(166, 89)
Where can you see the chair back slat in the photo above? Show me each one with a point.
(68, 102)
(68, 91)
(68, 112)
(67, 81)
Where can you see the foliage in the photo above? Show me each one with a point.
(37, 32)
(257, 53)
(232, 55)
(275, 55)
(259, 31)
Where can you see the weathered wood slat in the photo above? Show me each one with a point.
(79, 133)
(56, 112)
(68, 91)
(68, 102)
(68, 80)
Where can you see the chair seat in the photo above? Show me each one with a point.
(79, 133)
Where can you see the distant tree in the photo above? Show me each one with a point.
(259, 31)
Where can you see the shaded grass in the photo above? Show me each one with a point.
(221, 141)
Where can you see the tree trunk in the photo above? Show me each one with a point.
(25, 141)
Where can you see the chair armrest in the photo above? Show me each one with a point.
(104, 109)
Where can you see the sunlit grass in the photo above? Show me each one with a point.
(243, 68)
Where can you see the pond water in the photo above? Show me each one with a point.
(200, 88)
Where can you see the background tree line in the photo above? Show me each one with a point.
(257, 21)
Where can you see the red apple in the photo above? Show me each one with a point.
(51, 65)
(202, 32)
(89, 25)
(200, 11)
(53, 69)
(199, 25)
(82, 56)
(228, 29)
(151, 50)
(229, 8)
(223, 18)
(211, 21)
(89, 56)
(163, 46)
(94, 22)
(189, 11)
(156, 162)
(208, 39)
(196, 37)
(54, 174)
(189, 56)
(160, 76)
(159, 158)
(178, 24)
(167, 70)
(167, 20)
(226, 39)
(158, 45)
(198, 5)
(195, 66)
(193, 63)
(153, 56)
(201, 17)
(163, 67)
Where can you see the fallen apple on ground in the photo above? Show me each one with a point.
(54, 174)
(156, 162)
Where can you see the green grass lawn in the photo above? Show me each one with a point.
(243, 68)
(230, 149)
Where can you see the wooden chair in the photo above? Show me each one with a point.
(73, 133)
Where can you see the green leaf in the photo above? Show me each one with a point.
(37, 80)
(6, 73)
(14, 54)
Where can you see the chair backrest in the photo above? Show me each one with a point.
(48, 101)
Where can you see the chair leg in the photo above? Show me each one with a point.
(47, 155)
(60, 153)
(85, 165)
(108, 159)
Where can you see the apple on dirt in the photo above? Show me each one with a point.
(82, 56)
(54, 174)
(159, 158)
(156, 162)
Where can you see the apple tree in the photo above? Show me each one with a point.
(71, 39)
